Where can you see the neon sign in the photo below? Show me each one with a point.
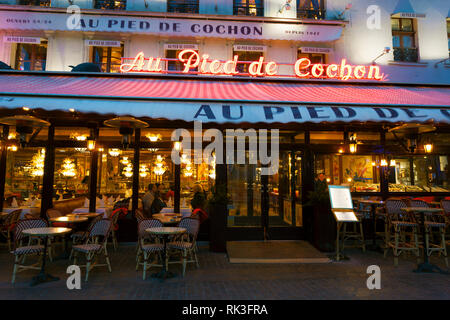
(193, 63)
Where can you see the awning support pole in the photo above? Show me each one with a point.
(49, 173)
(137, 153)
(3, 157)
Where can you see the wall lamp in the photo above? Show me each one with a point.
(386, 50)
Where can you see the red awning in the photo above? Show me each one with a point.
(223, 90)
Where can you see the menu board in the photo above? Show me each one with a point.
(340, 197)
(343, 216)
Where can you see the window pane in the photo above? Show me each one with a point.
(396, 41)
(407, 25)
(176, 65)
(395, 24)
(246, 56)
(407, 42)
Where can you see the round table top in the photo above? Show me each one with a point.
(47, 231)
(86, 214)
(165, 230)
(70, 219)
(420, 209)
(371, 201)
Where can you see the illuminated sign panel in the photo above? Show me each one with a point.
(303, 68)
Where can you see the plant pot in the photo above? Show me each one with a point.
(217, 224)
(324, 229)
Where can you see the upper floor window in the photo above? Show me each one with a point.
(41, 3)
(31, 57)
(248, 7)
(246, 56)
(404, 40)
(110, 4)
(182, 6)
(311, 9)
(108, 58)
(172, 51)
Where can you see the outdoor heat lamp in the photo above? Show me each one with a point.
(24, 125)
(412, 132)
(126, 127)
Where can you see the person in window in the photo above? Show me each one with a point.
(158, 202)
(171, 193)
(321, 183)
(147, 200)
(199, 199)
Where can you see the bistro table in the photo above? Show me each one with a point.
(185, 211)
(426, 266)
(44, 233)
(164, 233)
(87, 215)
(373, 207)
(25, 210)
(168, 218)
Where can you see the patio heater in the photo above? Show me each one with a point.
(126, 127)
(24, 125)
(411, 132)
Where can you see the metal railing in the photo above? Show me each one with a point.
(181, 6)
(311, 14)
(110, 4)
(406, 54)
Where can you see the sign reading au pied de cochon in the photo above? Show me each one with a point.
(11, 20)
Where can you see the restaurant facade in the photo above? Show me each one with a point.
(356, 94)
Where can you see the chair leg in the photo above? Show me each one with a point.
(145, 265)
(16, 265)
(9, 240)
(396, 254)
(196, 260)
(138, 260)
(416, 243)
(88, 265)
(184, 261)
(75, 257)
(362, 237)
(443, 245)
(107, 259)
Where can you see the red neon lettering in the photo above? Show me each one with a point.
(332, 71)
(271, 68)
(376, 70)
(203, 65)
(229, 67)
(255, 67)
(317, 67)
(137, 63)
(346, 70)
(191, 62)
(300, 64)
(214, 67)
(360, 72)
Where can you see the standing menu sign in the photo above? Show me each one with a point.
(341, 204)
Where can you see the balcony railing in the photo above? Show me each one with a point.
(41, 3)
(406, 54)
(310, 14)
(110, 4)
(181, 6)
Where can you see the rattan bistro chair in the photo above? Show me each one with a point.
(94, 245)
(8, 225)
(148, 246)
(404, 227)
(435, 225)
(80, 236)
(186, 242)
(21, 251)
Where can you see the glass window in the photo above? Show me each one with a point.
(310, 9)
(110, 4)
(41, 3)
(403, 40)
(326, 137)
(359, 172)
(419, 174)
(248, 7)
(108, 58)
(247, 57)
(182, 6)
(31, 56)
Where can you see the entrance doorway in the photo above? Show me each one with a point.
(266, 207)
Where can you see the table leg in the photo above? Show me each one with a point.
(374, 246)
(164, 273)
(426, 266)
(42, 276)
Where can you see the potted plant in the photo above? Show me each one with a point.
(323, 222)
(217, 209)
